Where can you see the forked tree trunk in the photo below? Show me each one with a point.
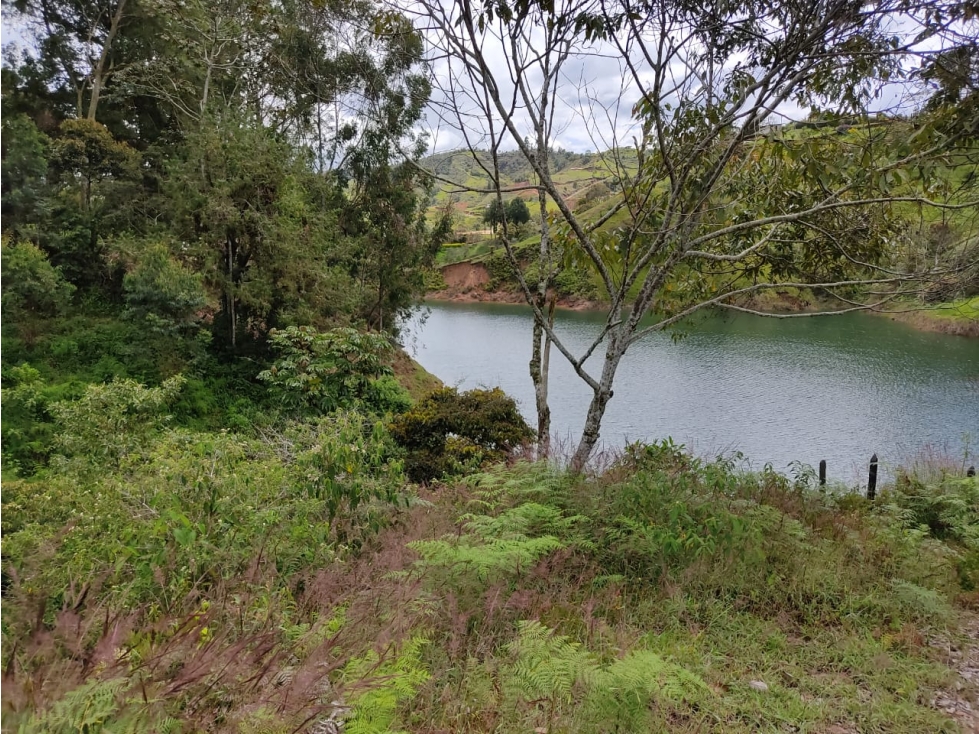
(617, 343)
(99, 73)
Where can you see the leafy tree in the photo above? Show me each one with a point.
(24, 172)
(86, 152)
(95, 188)
(713, 204)
(494, 213)
(393, 247)
(517, 211)
(81, 47)
(256, 223)
(213, 127)
(163, 291)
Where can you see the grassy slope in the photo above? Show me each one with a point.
(413, 377)
(656, 596)
(960, 317)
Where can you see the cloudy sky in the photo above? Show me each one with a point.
(594, 101)
(592, 107)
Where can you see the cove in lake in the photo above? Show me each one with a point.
(778, 390)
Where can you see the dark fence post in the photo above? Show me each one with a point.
(971, 472)
(822, 473)
(872, 480)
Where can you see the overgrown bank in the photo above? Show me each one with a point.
(960, 317)
(285, 581)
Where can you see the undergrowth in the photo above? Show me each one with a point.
(212, 584)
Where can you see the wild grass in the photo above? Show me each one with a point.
(200, 587)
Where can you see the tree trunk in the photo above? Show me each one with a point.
(618, 340)
(543, 408)
(99, 73)
(539, 360)
(538, 375)
(232, 315)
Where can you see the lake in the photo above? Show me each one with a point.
(778, 390)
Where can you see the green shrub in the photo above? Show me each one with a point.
(111, 421)
(32, 287)
(386, 395)
(321, 372)
(161, 291)
(448, 431)
(28, 427)
(200, 508)
(575, 282)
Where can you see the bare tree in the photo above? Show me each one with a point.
(717, 202)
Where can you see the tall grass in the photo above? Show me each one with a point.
(203, 586)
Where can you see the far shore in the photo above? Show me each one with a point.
(923, 319)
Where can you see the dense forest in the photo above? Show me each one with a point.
(233, 503)
(228, 164)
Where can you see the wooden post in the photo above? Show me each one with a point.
(872, 480)
(822, 473)
(971, 472)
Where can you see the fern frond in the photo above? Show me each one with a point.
(528, 519)
(546, 664)
(374, 708)
(645, 672)
(483, 561)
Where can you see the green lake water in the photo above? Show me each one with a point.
(777, 390)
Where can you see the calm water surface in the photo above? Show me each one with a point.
(837, 388)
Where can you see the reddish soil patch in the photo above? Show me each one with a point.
(467, 282)
(464, 276)
(482, 296)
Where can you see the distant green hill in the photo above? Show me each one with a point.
(579, 176)
(589, 183)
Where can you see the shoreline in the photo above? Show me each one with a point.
(926, 318)
(514, 298)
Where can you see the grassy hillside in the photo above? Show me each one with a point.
(199, 584)
(578, 175)
(589, 183)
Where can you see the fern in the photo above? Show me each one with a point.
(546, 665)
(381, 689)
(496, 547)
(524, 481)
(94, 707)
(645, 673)
(465, 560)
(524, 520)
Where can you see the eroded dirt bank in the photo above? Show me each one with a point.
(468, 282)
